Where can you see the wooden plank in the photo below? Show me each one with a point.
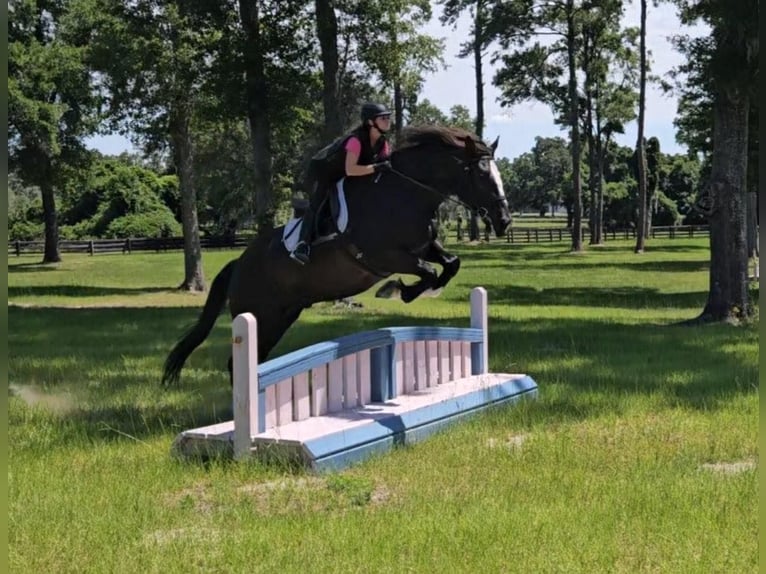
(363, 379)
(479, 305)
(444, 362)
(284, 398)
(466, 359)
(455, 362)
(335, 385)
(270, 414)
(432, 363)
(408, 354)
(349, 381)
(319, 391)
(301, 398)
(421, 383)
(245, 382)
(399, 361)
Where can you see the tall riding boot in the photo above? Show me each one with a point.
(302, 249)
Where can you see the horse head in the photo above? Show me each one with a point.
(472, 174)
(485, 192)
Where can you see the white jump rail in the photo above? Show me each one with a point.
(337, 402)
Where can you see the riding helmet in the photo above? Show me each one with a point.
(370, 111)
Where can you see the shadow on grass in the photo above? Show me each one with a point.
(80, 291)
(110, 360)
(620, 297)
(35, 267)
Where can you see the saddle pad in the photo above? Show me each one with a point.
(292, 230)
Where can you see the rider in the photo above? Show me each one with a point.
(366, 152)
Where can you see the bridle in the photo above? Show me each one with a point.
(468, 166)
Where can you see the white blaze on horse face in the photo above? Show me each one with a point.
(495, 173)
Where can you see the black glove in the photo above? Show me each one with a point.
(382, 166)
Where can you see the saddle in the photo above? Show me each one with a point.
(331, 220)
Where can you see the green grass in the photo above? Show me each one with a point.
(605, 472)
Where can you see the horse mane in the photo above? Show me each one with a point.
(413, 136)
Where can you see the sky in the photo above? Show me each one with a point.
(518, 126)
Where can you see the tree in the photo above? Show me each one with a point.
(641, 227)
(397, 52)
(327, 32)
(545, 72)
(477, 46)
(694, 121)
(608, 62)
(51, 104)
(279, 54)
(653, 160)
(729, 64)
(156, 57)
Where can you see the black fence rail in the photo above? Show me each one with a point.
(99, 246)
(513, 235)
(541, 235)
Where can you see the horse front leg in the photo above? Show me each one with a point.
(409, 264)
(450, 264)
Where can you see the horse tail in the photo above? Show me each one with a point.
(197, 333)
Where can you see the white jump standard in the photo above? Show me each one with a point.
(335, 403)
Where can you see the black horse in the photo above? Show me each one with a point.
(392, 229)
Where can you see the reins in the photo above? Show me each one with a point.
(436, 191)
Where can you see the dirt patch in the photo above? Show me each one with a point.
(735, 467)
(37, 397)
(315, 494)
(196, 497)
(510, 442)
(185, 534)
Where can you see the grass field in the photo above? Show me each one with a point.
(640, 454)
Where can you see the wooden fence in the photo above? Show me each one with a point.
(540, 235)
(99, 246)
(513, 235)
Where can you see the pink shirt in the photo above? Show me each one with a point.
(353, 144)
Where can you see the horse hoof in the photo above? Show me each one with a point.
(390, 290)
(432, 292)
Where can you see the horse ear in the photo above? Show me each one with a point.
(494, 145)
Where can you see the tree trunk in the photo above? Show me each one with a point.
(180, 136)
(327, 31)
(398, 109)
(256, 92)
(575, 131)
(478, 32)
(599, 207)
(51, 250)
(592, 163)
(640, 152)
(473, 227)
(752, 224)
(728, 295)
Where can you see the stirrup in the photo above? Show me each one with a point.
(301, 253)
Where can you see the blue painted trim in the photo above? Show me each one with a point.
(380, 373)
(383, 425)
(477, 358)
(342, 449)
(301, 360)
(426, 333)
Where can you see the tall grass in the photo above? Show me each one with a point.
(640, 454)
